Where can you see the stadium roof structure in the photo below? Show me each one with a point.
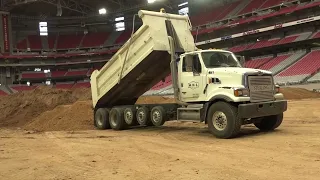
(77, 8)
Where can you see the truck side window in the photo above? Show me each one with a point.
(187, 64)
(196, 64)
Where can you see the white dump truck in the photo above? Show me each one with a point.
(210, 86)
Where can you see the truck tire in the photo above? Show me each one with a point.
(116, 119)
(143, 116)
(158, 116)
(269, 123)
(129, 114)
(101, 118)
(223, 121)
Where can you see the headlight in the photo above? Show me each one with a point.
(241, 92)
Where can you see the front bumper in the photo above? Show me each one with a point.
(254, 110)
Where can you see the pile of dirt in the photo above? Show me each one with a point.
(298, 93)
(47, 109)
(20, 108)
(78, 116)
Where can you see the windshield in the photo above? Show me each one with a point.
(214, 59)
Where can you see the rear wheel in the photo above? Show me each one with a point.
(101, 118)
(158, 116)
(223, 121)
(116, 119)
(130, 116)
(143, 116)
(269, 123)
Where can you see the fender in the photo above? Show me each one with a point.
(214, 99)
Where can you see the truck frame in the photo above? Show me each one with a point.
(209, 85)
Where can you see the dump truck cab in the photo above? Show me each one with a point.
(206, 75)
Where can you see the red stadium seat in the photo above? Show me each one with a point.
(307, 65)
(270, 3)
(125, 35)
(272, 63)
(287, 40)
(264, 43)
(2, 93)
(252, 6)
(35, 42)
(33, 75)
(256, 63)
(22, 44)
(77, 73)
(94, 39)
(51, 41)
(82, 85)
(69, 41)
(56, 74)
(64, 85)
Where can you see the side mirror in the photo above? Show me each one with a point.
(241, 59)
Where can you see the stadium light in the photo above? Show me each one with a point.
(102, 11)
(151, 1)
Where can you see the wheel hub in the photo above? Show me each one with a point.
(140, 115)
(156, 116)
(128, 116)
(219, 120)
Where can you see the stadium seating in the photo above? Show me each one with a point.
(33, 75)
(316, 35)
(56, 74)
(51, 41)
(288, 39)
(94, 39)
(125, 35)
(82, 85)
(73, 73)
(252, 6)
(264, 43)
(71, 41)
(2, 93)
(22, 45)
(315, 78)
(301, 69)
(257, 62)
(161, 85)
(240, 48)
(282, 61)
(68, 85)
(270, 3)
(35, 42)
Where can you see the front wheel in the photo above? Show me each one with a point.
(223, 121)
(269, 123)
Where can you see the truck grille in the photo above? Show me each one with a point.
(261, 88)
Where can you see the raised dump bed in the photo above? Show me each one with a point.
(143, 60)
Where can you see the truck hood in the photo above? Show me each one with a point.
(232, 77)
(235, 70)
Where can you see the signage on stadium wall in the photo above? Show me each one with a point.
(277, 26)
(5, 24)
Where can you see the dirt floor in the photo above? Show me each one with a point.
(55, 139)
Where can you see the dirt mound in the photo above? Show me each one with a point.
(18, 109)
(78, 116)
(298, 93)
(47, 109)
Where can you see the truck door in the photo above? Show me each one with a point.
(191, 77)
